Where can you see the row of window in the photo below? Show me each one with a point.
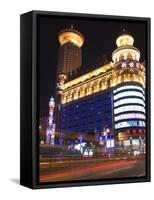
(87, 118)
(86, 107)
(98, 124)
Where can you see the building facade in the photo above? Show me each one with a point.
(108, 102)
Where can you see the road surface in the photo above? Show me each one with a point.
(92, 169)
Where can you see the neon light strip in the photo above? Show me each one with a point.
(127, 94)
(129, 100)
(126, 87)
(129, 116)
(129, 108)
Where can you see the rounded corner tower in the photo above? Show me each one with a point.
(125, 49)
(128, 93)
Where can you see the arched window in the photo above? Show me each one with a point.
(122, 78)
(100, 84)
(129, 56)
(85, 90)
(121, 57)
(78, 93)
(92, 87)
(108, 82)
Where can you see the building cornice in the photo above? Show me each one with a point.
(88, 76)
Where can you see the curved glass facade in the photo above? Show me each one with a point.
(129, 101)
(126, 94)
(129, 104)
(129, 108)
(129, 116)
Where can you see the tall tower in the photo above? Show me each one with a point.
(50, 132)
(69, 60)
(70, 53)
(128, 93)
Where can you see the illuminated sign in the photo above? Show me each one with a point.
(126, 142)
(134, 123)
(129, 108)
(110, 143)
(122, 136)
(79, 146)
(129, 116)
(127, 87)
(129, 100)
(128, 93)
(130, 64)
(136, 142)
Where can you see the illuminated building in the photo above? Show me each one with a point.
(129, 95)
(111, 97)
(70, 55)
(69, 61)
(50, 131)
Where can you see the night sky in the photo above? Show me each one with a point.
(100, 37)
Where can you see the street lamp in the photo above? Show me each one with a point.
(107, 130)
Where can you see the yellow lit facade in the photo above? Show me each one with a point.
(109, 75)
(101, 79)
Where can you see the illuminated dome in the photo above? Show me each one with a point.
(71, 35)
(125, 40)
(125, 49)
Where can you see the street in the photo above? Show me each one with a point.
(91, 168)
